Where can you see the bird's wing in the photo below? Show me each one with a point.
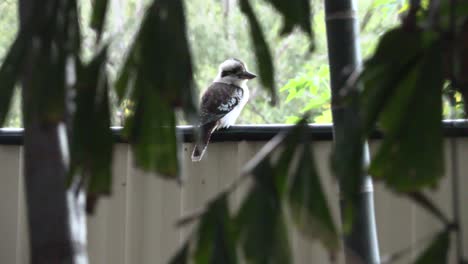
(218, 100)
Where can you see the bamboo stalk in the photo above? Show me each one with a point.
(345, 59)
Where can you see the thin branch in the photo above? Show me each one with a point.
(427, 204)
(254, 108)
(400, 254)
(245, 174)
(258, 112)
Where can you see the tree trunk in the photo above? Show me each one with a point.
(57, 229)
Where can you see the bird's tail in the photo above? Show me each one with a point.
(200, 147)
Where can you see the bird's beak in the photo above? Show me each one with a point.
(248, 75)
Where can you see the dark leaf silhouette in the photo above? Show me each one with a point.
(385, 70)
(260, 225)
(92, 140)
(262, 51)
(215, 236)
(437, 252)
(9, 74)
(99, 16)
(295, 13)
(182, 256)
(157, 77)
(411, 154)
(310, 211)
(293, 176)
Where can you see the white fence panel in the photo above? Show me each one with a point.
(137, 224)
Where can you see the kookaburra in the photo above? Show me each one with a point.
(222, 102)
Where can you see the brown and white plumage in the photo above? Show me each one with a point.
(222, 102)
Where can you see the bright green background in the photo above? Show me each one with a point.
(218, 31)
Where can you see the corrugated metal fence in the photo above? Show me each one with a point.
(136, 225)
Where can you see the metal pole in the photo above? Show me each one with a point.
(344, 59)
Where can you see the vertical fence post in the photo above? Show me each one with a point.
(344, 59)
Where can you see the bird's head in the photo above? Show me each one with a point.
(233, 71)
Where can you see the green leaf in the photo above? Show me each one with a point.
(385, 70)
(92, 141)
(315, 103)
(124, 83)
(381, 74)
(99, 15)
(10, 74)
(262, 231)
(290, 143)
(182, 256)
(411, 154)
(292, 94)
(152, 134)
(437, 252)
(261, 211)
(215, 237)
(262, 51)
(157, 76)
(160, 56)
(308, 203)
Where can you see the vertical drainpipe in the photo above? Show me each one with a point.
(344, 58)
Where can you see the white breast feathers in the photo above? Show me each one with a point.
(230, 118)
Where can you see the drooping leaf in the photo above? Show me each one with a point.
(304, 192)
(437, 252)
(92, 141)
(291, 142)
(160, 55)
(261, 229)
(9, 74)
(262, 51)
(215, 235)
(157, 77)
(99, 16)
(92, 138)
(123, 85)
(385, 70)
(181, 257)
(152, 132)
(310, 211)
(295, 13)
(411, 154)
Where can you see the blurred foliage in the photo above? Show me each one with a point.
(295, 66)
(230, 38)
(150, 64)
(281, 190)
